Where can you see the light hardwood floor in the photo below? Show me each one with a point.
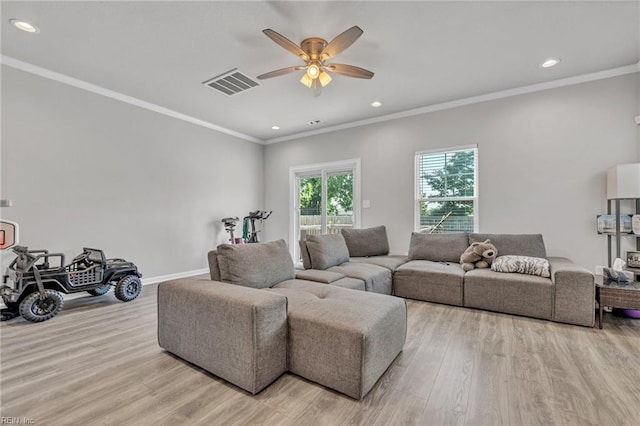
(99, 363)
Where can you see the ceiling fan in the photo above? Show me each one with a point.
(315, 52)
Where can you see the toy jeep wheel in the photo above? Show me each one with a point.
(128, 288)
(33, 309)
(99, 291)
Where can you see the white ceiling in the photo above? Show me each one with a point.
(422, 53)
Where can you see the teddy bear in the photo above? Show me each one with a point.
(478, 255)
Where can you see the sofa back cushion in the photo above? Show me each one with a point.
(366, 242)
(214, 270)
(514, 244)
(258, 265)
(304, 254)
(438, 247)
(327, 250)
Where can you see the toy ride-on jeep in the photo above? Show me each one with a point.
(35, 279)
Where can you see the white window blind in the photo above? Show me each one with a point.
(446, 191)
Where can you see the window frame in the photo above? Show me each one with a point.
(416, 182)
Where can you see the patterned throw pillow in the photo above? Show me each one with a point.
(522, 265)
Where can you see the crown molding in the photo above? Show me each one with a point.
(80, 84)
(71, 81)
(569, 81)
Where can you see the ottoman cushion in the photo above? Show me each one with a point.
(343, 339)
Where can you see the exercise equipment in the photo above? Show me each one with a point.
(249, 222)
(230, 224)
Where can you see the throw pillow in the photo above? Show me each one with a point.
(366, 242)
(327, 250)
(258, 265)
(522, 265)
(438, 247)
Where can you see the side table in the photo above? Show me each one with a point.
(616, 295)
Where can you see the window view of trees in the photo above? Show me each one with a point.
(339, 203)
(447, 191)
(339, 195)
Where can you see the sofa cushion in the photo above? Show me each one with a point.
(257, 265)
(376, 278)
(304, 254)
(438, 247)
(522, 265)
(326, 277)
(390, 261)
(327, 250)
(344, 282)
(214, 270)
(438, 282)
(366, 242)
(517, 244)
(518, 294)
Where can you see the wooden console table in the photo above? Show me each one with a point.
(616, 295)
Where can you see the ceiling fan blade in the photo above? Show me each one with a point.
(349, 70)
(278, 73)
(341, 42)
(286, 43)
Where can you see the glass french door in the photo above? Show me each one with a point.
(325, 201)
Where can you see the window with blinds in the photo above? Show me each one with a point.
(446, 190)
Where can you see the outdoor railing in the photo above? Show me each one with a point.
(312, 224)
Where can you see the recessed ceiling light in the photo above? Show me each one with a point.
(24, 26)
(550, 62)
(275, 127)
(376, 104)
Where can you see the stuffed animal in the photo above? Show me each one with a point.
(478, 255)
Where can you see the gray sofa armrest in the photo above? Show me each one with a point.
(237, 333)
(319, 276)
(574, 292)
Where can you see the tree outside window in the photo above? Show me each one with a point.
(446, 199)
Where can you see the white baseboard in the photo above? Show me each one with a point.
(161, 278)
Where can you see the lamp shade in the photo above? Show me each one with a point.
(623, 181)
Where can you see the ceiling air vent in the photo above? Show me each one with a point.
(231, 82)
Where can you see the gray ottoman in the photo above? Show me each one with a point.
(343, 339)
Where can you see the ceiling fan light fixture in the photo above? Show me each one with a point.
(313, 71)
(306, 80)
(324, 78)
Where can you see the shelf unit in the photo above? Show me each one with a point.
(618, 235)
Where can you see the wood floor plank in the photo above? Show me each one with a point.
(99, 363)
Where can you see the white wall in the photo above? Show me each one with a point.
(85, 170)
(542, 163)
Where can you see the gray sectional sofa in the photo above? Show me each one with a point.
(255, 319)
(432, 272)
(336, 322)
